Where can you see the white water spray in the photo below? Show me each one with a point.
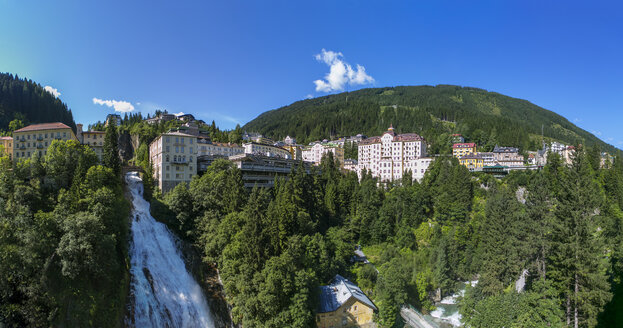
(164, 294)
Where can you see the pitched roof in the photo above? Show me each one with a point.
(43, 126)
(340, 291)
(6, 138)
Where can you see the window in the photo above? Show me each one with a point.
(167, 139)
(167, 148)
(177, 149)
(182, 148)
(64, 134)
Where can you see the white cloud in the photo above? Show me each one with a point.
(577, 120)
(340, 73)
(119, 106)
(52, 91)
(309, 96)
(138, 104)
(597, 133)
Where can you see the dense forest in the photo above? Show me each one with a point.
(274, 247)
(27, 101)
(63, 238)
(435, 112)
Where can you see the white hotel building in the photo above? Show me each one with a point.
(389, 156)
(174, 158)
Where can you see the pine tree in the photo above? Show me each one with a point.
(110, 157)
(578, 264)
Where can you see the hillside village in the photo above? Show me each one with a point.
(186, 151)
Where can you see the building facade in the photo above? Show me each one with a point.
(473, 162)
(508, 156)
(7, 146)
(391, 155)
(462, 149)
(206, 147)
(315, 153)
(174, 159)
(93, 139)
(254, 148)
(343, 304)
(36, 138)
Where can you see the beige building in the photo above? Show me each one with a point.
(508, 156)
(174, 157)
(315, 153)
(7, 146)
(254, 148)
(206, 147)
(36, 138)
(343, 304)
(93, 139)
(389, 156)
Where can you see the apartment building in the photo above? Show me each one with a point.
(36, 138)
(508, 156)
(462, 149)
(93, 139)
(174, 158)
(207, 147)
(488, 158)
(473, 162)
(315, 153)
(254, 148)
(7, 146)
(389, 156)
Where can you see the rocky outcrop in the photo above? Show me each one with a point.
(126, 149)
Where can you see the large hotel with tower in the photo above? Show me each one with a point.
(391, 155)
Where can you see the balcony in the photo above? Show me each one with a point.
(180, 161)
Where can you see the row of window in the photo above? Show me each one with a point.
(178, 140)
(44, 135)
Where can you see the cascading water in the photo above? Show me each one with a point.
(164, 294)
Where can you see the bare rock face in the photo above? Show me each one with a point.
(126, 149)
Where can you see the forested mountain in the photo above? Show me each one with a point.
(435, 112)
(27, 101)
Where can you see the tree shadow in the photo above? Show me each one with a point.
(612, 316)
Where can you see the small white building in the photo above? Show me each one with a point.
(254, 148)
(315, 153)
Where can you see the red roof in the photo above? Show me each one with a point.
(464, 145)
(6, 138)
(43, 126)
(456, 135)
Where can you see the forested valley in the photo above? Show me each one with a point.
(274, 247)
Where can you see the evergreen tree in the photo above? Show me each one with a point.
(110, 157)
(578, 266)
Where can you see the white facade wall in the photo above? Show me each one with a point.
(219, 149)
(390, 156)
(266, 150)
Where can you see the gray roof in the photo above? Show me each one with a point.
(339, 292)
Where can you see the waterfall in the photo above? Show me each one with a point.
(163, 293)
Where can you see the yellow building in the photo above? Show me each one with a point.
(7, 146)
(461, 149)
(95, 140)
(36, 138)
(343, 304)
(473, 162)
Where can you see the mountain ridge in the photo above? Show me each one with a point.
(436, 112)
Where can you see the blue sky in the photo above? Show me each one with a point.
(232, 60)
